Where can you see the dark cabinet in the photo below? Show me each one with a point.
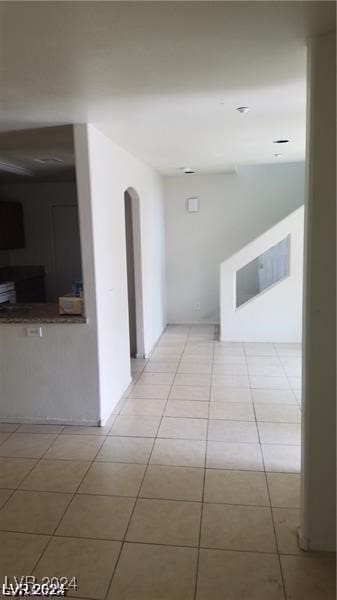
(29, 282)
(12, 233)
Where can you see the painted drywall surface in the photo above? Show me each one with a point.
(318, 493)
(38, 200)
(275, 315)
(234, 210)
(55, 378)
(111, 171)
(49, 379)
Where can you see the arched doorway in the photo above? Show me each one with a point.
(134, 272)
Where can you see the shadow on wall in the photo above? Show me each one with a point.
(134, 272)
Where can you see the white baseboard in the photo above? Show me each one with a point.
(193, 323)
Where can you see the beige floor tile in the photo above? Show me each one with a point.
(82, 430)
(4, 495)
(33, 512)
(237, 528)
(75, 447)
(187, 408)
(229, 351)
(43, 428)
(26, 445)
(309, 578)
(8, 427)
(91, 561)
(200, 357)
(158, 572)
(277, 413)
(150, 391)
(56, 476)
(295, 382)
(14, 470)
(138, 364)
(19, 552)
(264, 370)
(266, 382)
(232, 431)
(143, 407)
(117, 479)
(138, 426)
(225, 575)
(262, 362)
(202, 368)
(282, 458)
(196, 379)
(245, 457)
(233, 411)
(193, 429)
(222, 394)
(99, 517)
(286, 522)
(4, 436)
(185, 453)
(166, 354)
(228, 359)
(236, 487)
(288, 349)
(231, 381)
(293, 371)
(199, 354)
(259, 349)
(165, 522)
(126, 449)
(280, 433)
(190, 392)
(274, 396)
(284, 489)
(156, 379)
(162, 366)
(173, 483)
(230, 369)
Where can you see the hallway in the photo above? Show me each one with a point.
(191, 491)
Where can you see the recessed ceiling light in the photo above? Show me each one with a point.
(277, 155)
(281, 141)
(243, 109)
(188, 171)
(47, 160)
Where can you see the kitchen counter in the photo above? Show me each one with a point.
(36, 313)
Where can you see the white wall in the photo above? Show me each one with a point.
(37, 199)
(275, 315)
(54, 378)
(234, 209)
(76, 373)
(318, 497)
(108, 172)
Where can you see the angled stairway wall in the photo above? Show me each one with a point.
(274, 314)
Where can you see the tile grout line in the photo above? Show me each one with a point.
(52, 535)
(124, 541)
(270, 506)
(204, 476)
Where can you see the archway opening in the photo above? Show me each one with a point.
(134, 272)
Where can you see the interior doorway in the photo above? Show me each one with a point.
(134, 273)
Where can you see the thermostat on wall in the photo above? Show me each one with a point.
(193, 204)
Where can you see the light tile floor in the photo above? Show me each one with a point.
(191, 492)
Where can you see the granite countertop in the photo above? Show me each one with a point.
(36, 313)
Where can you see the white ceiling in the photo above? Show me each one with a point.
(163, 79)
